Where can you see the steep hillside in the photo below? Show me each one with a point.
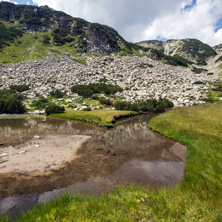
(191, 49)
(61, 29)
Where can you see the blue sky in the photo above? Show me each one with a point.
(190, 6)
(27, 2)
(148, 19)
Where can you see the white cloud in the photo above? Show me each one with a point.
(199, 22)
(148, 19)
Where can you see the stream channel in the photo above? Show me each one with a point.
(130, 153)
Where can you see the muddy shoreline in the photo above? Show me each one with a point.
(127, 154)
(40, 154)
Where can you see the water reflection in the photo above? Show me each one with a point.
(129, 153)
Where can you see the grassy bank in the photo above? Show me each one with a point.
(200, 129)
(198, 198)
(100, 117)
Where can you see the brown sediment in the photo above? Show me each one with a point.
(87, 165)
(40, 154)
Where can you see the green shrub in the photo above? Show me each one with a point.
(10, 102)
(177, 61)
(8, 34)
(198, 82)
(46, 41)
(19, 88)
(210, 99)
(4, 93)
(201, 62)
(104, 101)
(57, 93)
(103, 80)
(218, 87)
(71, 106)
(68, 39)
(145, 65)
(92, 88)
(198, 70)
(123, 105)
(40, 103)
(95, 97)
(87, 109)
(11, 105)
(53, 108)
(219, 59)
(154, 105)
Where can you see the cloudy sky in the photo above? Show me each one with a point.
(138, 20)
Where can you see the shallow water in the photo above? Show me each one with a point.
(129, 153)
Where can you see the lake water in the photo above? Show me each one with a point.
(128, 154)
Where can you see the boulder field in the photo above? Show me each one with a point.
(140, 77)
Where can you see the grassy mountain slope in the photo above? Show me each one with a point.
(191, 49)
(61, 28)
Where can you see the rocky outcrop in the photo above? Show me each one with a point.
(141, 77)
(103, 39)
(218, 48)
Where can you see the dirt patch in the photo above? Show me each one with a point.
(40, 154)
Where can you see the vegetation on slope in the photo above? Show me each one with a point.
(214, 93)
(198, 198)
(191, 48)
(30, 47)
(8, 35)
(92, 88)
(153, 105)
(198, 49)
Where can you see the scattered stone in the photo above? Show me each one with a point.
(161, 80)
(4, 154)
(37, 137)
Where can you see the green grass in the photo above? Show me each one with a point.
(200, 129)
(198, 198)
(101, 117)
(214, 92)
(124, 205)
(32, 47)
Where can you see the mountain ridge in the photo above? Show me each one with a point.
(190, 49)
(65, 29)
(57, 32)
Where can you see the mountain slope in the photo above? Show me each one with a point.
(61, 28)
(42, 32)
(191, 49)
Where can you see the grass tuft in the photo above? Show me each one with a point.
(101, 117)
